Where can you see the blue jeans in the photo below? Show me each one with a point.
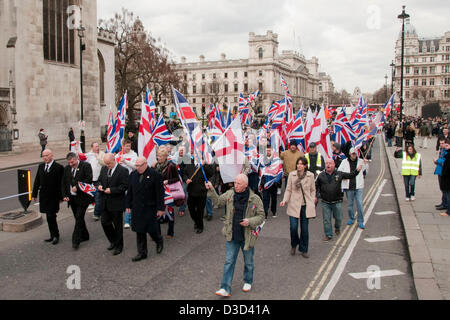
(209, 207)
(231, 253)
(357, 195)
(444, 198)
(183, 207)
(389, 142)
(410, 184)
(303, 240)
(98, 202)
(328, 210)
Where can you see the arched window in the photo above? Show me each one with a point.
(260, 53)
(101, 70)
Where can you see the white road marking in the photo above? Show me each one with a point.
(382, 239)
(384, 213)
(384, 273)
(387, 195)
(340, 268)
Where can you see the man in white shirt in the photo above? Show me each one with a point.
(127, 158)
(95, 159)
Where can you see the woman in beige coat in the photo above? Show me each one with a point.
(301, 196)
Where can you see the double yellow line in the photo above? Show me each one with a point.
(318, 282)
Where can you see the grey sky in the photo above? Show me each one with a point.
(354, 40)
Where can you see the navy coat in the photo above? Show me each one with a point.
(145, 199)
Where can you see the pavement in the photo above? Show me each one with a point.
(12, 160)
(427, 232)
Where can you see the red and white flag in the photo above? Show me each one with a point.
(321, 135)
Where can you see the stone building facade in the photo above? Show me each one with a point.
(221, 81)
(326, 87)
(40, 71)
(426, 75)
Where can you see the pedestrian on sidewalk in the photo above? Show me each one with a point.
(42, 140)
(95, 159)
(390, 134)
(71, 138)
(398, 134)
(145, 197)
(244, 217)
(443, 135)
(300, 195)
(169, 172)
(329, 189)
(424, 133)
(439, 162)
(48, 184)
(411, 169)
(353, 188)
(112, 184)
(446, 177)
(77, 171)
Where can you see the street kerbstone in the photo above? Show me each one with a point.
(423, 270)
(410, 223)
(427, 289)
(419, 253)
(414, 237)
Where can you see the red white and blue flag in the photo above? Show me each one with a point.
(258, 229)
(114, 140)
(388, 106)
(87, 188)
(298, 133)
(168, 198)
(342, 130)
(272, 172)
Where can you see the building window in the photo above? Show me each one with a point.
(225, 75)
(235, 99)
(203, 88)
(245, 87)
(431, 93)
(447, 57)
(447, 93)
(432, 82)
(59, 41)
(225, 87)
(185, 77)
(185, 86)
(424, 59)
(203, 100)
(261, 87)
(235, 75)
(432, 70)
(245, 74)
(446, 69)
(260, 73)
(447, 81)
(416, 60)
(424, 82)
(203, 76)
(320, 88)
(407, 94)
(226, 99)
(214, 76)
(407, 60)
(193, 77)
(431, 59)
(260, 53)
(236, 87)
(447, 48)
(407, 70)
(424, 70)
(416, 70)
(195, 109)
(101, 67)
(416, 82)
(407, 83)
(194, 89)
(194, 100)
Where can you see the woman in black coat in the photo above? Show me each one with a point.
(445, 177)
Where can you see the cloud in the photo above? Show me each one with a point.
(354, 40)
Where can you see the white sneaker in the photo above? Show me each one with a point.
(279, 191)
(407, 199)
(413, 198)
(126, 226)
(247, 287)
(223, 293)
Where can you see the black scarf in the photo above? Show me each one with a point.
(240, 202)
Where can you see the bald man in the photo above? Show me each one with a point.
(48, 184)
(145, 197)
(244, 213)
(113, 183)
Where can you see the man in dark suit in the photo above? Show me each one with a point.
(48, 184)
(77, 171)
(145, 197)
(113, 182)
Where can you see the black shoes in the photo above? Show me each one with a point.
(49, 240)
(198, 231)
(441, 208)
(117, 251)
(159, 247)
(55, 240)
(139, 257)
(75, 246)
(209, 218)
(111, 247)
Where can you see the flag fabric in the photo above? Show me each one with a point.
(114, 142)
(258, 229)
(320, 135)
(253, 157)
(272, 172)
(298, 133)
(168, 198)
(342, 129)
(364, 138)
(388, 106)
(228, 120)
(87, 188)
(229, 151)
(76, 148)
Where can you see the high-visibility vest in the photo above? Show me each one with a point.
(318, 162)
(410, 167)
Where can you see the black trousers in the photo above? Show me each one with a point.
(52, 225)
(112, 223)
(270, 198)
(141, 239)
(196, 207)
(80, 232)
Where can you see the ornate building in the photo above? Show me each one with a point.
(326, 87)
(426, 72)
(40, 72)
(221, 81)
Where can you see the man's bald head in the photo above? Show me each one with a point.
(240, 183)
(329, 165)
(47, 155)
(141, 164)
(109, 160)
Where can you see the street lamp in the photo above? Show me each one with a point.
(402, 16)
(392, 65)
(81, 30)
(385, 86)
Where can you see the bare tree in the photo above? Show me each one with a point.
(140, 60)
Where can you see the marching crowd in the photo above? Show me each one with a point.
(132, 193)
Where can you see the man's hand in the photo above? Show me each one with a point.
(66, 199)
(245, 223)
(166, 182)
(188, 181)
(282, 204)
(159, 214)
(360, 167)
(208, 185)
(100, 188)
(108, 191)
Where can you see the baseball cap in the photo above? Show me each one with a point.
(312, 145)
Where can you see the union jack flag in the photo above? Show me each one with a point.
(184, 111)
(364, 138)
(361, 116)
(273, 110)
(388, 106)
(272, 172)
(253, 157)
(279, 117)
(258, 229)
(87, 188)
(114, 141)
(168, 199)
(342, 130)
(286, 90)
(298, 133)
(161, 135)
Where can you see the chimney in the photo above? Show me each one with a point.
(223, 56)
(202, 58)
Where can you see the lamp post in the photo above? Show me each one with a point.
(81, 30)
(385, 87)
(392, 65)
(402, 16)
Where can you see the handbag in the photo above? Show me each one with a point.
(176, 190)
